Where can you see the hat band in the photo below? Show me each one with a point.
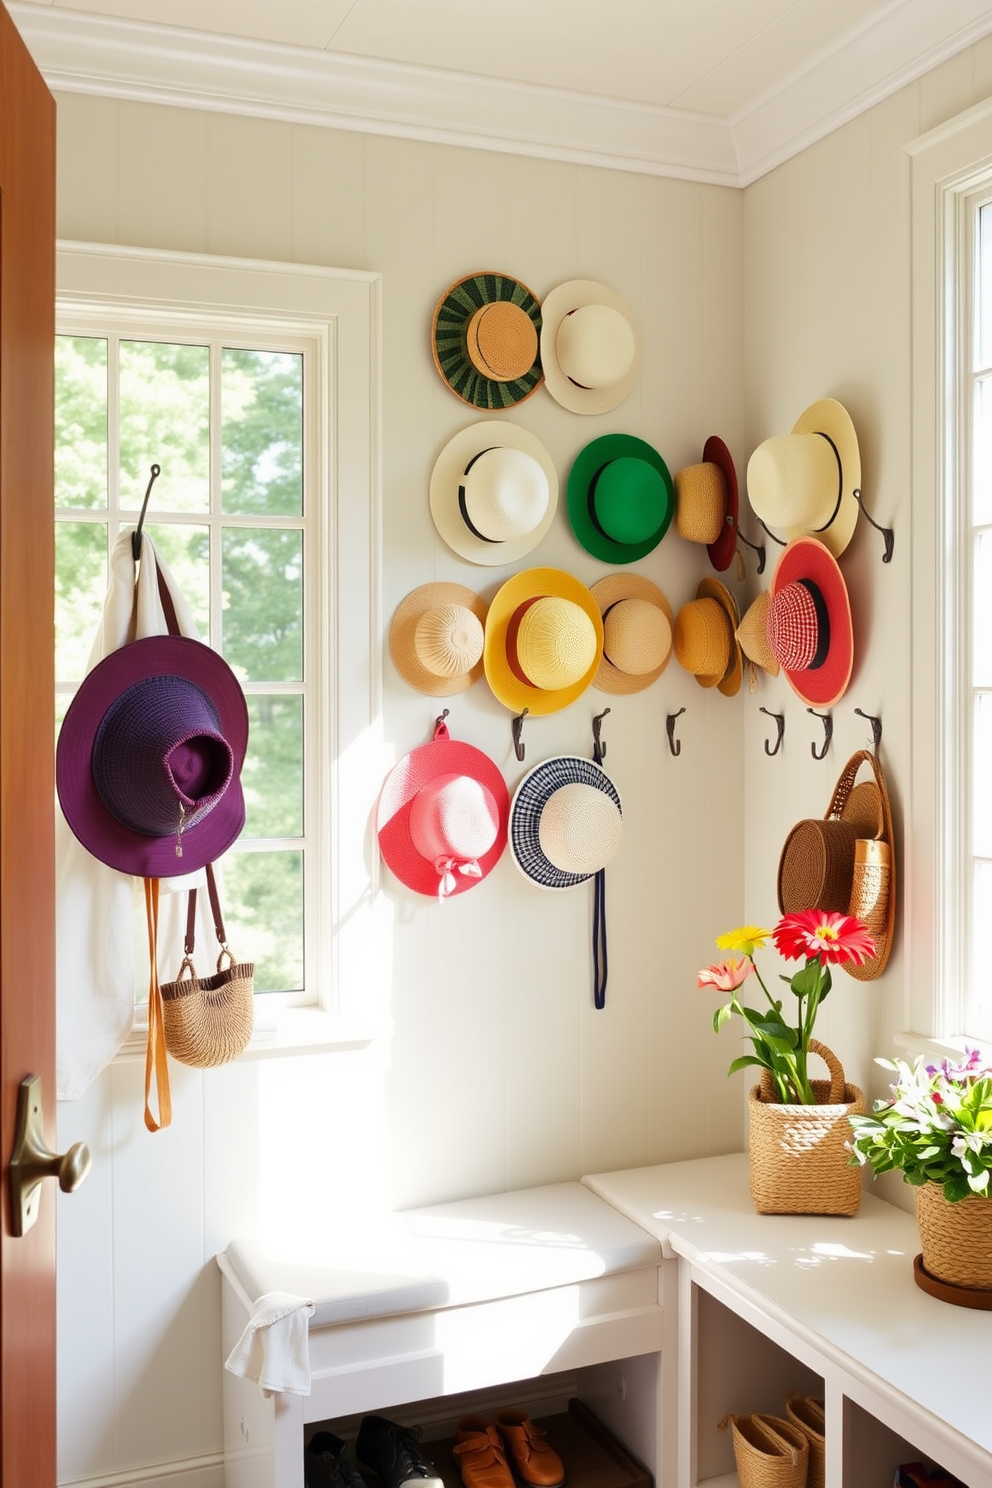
(840, 483)
(463, 505)
(822, 623)
(594, 519)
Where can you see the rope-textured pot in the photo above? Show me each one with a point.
(799, 1158)
(806, 1412)
(769, 1452)
(957, 1238)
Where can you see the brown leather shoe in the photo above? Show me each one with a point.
(481, 1459)
(533, 1460)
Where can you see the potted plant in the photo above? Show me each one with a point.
(798, 1132)
(936, 1129)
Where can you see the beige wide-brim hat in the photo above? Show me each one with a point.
(590, 346)
(705, 638)
(494, 492)
(437, 637)
(802, 484)
(752, 633)
(637, 633)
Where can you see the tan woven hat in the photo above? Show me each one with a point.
(802, 484)
(700, 502)
(494, 492)
(752, 633)
(637, 632)
(436, 638)
(590, 348)
(705, 639)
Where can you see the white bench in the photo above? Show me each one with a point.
(436, 1301)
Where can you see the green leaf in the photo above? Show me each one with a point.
(721, 1016)
(744, 1061)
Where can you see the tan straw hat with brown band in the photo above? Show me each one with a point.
(705, 639)
(637, 633)
(844, 863)
(436, 638)
(802, 484)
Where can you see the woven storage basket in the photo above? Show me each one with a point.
(956, 1238)
(799, 1158)
(769, 1452)
(807, 1413)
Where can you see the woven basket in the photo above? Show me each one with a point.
(807, 1413)
(208, 1020)
(799, 1157)
(769, 1452)
(957, 1238)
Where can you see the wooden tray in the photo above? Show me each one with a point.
(592, 1456)
(946, 1291)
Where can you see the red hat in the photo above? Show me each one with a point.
(442, 816)
(809, 622)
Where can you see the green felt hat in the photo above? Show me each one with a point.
(621, 498)
(485, 337)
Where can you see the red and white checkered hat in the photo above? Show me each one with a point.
(809, 622)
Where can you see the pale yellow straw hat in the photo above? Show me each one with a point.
(436, 638)
(705, 638)
(802, 484)
(637, 632)
(544, 641)
(590, 348)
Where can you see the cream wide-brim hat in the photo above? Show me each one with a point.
(638, 622)
(447, 476)
(434, 644)
(802, 484)
(590, 346)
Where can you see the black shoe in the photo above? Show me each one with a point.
(326, 1463)
(392, 1454)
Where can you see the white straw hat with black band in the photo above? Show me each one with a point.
(803, 484)
(494, 492)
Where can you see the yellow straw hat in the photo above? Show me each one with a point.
(544, 641)
(637, 633)
(436, 638)
(802, 484)
(705, 638)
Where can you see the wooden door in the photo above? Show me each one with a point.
(27, 728)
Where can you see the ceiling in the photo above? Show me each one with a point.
(711, 89)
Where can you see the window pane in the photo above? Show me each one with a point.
(80, 421)
(272, 776)
(262, 900)
(980, 1009)
(263, 604)
(262, 433)
(80, 589)
(982, 617)
(165, 420)
(187, 552)
(982, 779)
(981, 490)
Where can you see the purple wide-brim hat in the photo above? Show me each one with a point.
(120, 764)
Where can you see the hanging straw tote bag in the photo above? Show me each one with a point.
(799, 1162)
(208, 1020)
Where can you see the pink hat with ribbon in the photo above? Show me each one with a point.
(442, 816)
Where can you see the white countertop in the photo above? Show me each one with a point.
(846, 1283)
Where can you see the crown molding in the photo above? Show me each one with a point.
(78, 52)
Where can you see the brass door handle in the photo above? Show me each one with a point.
(31, 1160)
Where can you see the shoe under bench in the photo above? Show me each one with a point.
(549, 1290)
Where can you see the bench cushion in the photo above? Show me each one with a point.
(448, 1255)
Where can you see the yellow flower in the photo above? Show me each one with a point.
(748, 939)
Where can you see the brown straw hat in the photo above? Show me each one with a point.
(637, 633)
(705, 639)
(436, 638)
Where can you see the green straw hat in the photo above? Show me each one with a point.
(621, 498)
(485, 338)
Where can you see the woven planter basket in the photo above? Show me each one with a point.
(957, 1238)
(769, 1452)
(799, 1158)
(807, 1413)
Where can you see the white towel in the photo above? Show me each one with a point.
(274, 1348)
(94, 926)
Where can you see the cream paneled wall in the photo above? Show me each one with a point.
(497, 1072)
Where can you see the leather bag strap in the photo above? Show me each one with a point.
(156, 1061)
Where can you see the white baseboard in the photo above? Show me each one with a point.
(189, 1472)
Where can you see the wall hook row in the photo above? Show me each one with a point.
(517, 728)
(888, 535)
(876, 727)
(675, 745)
(780, 725)
(827, 720)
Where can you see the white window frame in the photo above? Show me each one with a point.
(951, 167)
(336, 313)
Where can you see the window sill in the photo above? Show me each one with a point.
(278, 1033)
(912, 1044)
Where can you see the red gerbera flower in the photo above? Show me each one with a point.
(824, 936)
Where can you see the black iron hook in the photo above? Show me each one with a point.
(441, 717)
(517, 726)
(876, 727)
(136, 534)
(780, 724)
(675, 745)
(755, 547)
(780, 540)
(827, 719)
(598, 747)
(887, 533)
